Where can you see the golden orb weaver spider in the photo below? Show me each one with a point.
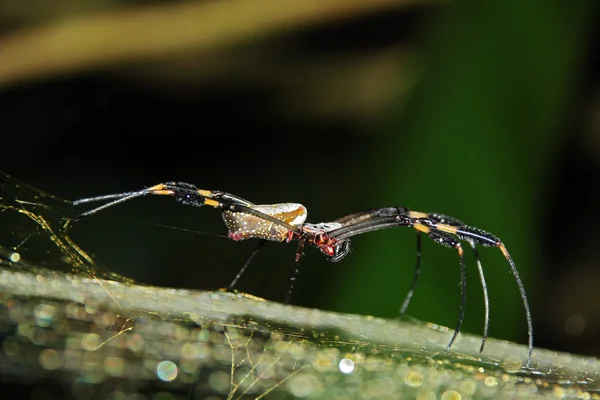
(286, 222)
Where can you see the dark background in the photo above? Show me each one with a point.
(489, 113)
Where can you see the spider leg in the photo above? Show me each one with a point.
(415, 276)
(295, 270)
(484, 238)
(445, 219)
(184, 193)
(261, 243)
(486, 300)
(448, 240)
(189, 195)
(444, 229)
(119, 198)
(515, 273)
(370, 214)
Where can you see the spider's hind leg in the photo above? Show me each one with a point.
(294, 274)
(256, 250)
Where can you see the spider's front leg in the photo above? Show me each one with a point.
(474, 236)
(453, 225)
(484, 238)
(463, 231)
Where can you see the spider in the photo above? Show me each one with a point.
(285, 222)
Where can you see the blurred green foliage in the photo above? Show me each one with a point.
(474, 142)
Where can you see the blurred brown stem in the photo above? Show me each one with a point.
(108, 38)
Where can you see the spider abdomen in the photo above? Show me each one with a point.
(243, 225)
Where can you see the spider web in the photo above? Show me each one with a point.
(36, 232)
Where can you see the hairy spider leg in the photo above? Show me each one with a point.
(392, 212)
(388, 217)
(448, 240)
(256, 250)
(183, 192)
(294, 272)
(371, 220)
(120, 198)
(486, 302)
(366, 216)
(486, 239)
(447, 220)
(187, 194)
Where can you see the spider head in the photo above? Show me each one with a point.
(340, 250)
(333, 249)
(318, 235)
